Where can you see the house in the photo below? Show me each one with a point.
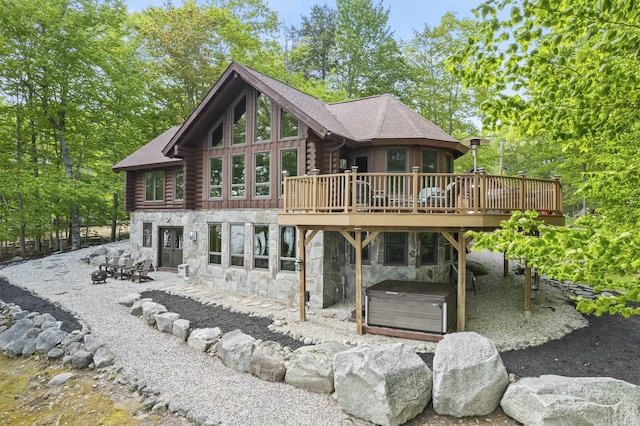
(266, 190)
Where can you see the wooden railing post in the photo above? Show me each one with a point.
(476, 191)
(347, 191)
(414, 195)
(521, 205)
(314, 189)
(285, 191)
(355, 189)
(557, 188)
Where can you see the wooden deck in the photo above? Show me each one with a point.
(447, 203)
(415, 200)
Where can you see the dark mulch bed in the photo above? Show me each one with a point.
(32, 303)
(203, 316)
(608, 347)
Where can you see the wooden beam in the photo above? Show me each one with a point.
(505, 265)
(309, 237)
(450, 238)
(358, 249)
(462, 280)
(302, 247)
(370, 238)
(349, 238)
(527, 291)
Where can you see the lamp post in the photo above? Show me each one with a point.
(475, 144)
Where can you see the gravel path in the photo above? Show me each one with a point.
(199, 382)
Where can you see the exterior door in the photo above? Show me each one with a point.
(362, 161)
(171, 241)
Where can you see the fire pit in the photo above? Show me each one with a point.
(98, 276)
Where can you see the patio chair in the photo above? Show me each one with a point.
(110, 267)
(126, 270)
(142, 273)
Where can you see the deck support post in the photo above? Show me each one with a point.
(301, 264)
(358, 249)
(527, 291)
(505, 266)
(462, 280)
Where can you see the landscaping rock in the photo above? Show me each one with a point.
(150, 310)
(130, 299)
(16, 332)
(468, 376)
(81, 359)
(136, 308)
(386, 385)
(103, 357)
(48, 339)
(38, 320)
(29, 347)
(55, 353)
(203, 338)
(551, 399)
(267, 362)
(92, 343)
(164, 321)
(311, 367)
(181, 329)
(59, 379)
(235, 350)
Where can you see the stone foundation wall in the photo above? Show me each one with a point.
(328, 261)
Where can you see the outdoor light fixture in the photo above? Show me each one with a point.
(298, 264)
(475, 144)
(193, 235)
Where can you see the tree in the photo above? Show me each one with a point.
(436, 92)
(57, 69)
(570, 70)
(369, 61)
(314, 55)
(189, 47)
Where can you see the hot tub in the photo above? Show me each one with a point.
(412, 305)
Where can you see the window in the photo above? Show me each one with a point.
(428, 248)
(261, 246)
(288, 125)
(366, 258)
(288, 163)
(395, 248)
(262, 176)
(448, 163)
(263, 118)
(154, 186)
(288, 248)
(215, 243)
(236, 254)
(147, 235)
(215, 135)
(237, 176)
(178, 184)
(397, 160)
(429, 161)
(215, 177)
(239, 131)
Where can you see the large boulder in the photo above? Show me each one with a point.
(203, 338)
(164, 321)
(267, 362)
(469, 377)
(181, 328)
(17, 332)
(48, 339)
(103, 357)
(386, 385)
(551, 399)
(136, 307)
(235, 350)
(311, 367)
(150, 310)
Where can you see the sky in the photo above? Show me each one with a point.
(404, 15)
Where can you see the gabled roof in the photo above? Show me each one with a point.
(374, 119)
(312, 111)
(150, 155)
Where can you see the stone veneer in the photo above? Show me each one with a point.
(327, 257)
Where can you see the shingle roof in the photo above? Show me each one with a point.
(385, 117)
(376, 118)
(150, 155)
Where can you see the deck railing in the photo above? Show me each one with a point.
(448, 193)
